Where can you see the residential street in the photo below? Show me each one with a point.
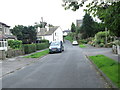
(70, 69)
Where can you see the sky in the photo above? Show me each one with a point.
(27, 12)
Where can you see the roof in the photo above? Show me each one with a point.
(42, 32)
(4, 24)
(7, 37)
(51, 30)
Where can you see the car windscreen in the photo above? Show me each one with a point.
(54, 44)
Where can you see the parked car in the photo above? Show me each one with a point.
(56, 46)
(74, 43)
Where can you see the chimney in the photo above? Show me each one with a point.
(47, 28)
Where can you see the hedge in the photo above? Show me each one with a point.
(29, 48)
(41, 46)
(15, 44)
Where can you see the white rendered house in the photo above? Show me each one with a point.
(51, 34)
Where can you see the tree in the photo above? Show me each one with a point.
(24, 33)
(107, 11)
(73, 28)
(41, 24)
(87, 28)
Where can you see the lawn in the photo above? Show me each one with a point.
(38, 54)
(109, 67)
(82, 46)
(69, 38)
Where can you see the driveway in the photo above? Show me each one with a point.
(70, 69)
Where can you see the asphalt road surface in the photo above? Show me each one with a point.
(70, 69)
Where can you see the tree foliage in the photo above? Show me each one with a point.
(108, 12)
(87, 28)
(41, 24)
(73, 27)
(24, 33)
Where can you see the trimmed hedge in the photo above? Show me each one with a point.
(15, 44)
(29, 48)
(41, 46)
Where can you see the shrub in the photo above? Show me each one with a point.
(29, 48)
(82, 41)
(101, 45)
(15, 44)
(41, 46)
(44, 41)
(116, 42)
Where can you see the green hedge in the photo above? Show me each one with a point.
(15, 44)
(29, 48)
(41, 46)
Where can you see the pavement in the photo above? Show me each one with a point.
(69, 69)
(10, 65)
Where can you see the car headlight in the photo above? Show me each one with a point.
(49, 47)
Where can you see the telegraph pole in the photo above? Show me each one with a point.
(42, 22)
(106, 36)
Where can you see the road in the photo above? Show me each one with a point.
(70, 69)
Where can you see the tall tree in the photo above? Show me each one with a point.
(87, 29)
(107, 10)
(73, 28)
(24, 33)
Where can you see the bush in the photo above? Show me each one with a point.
(44, 41)
(82, 41)
(108, 45)
(101, 45)
(29, 48)
(116, 42)
(15, 44)
(41, 46)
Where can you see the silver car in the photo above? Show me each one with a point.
(56, 46)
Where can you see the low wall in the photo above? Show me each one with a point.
(2, 54)
(10, 53)
(13, 53)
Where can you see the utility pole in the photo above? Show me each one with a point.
(106, 36)
(42, 22)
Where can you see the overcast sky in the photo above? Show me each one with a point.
(27, 12)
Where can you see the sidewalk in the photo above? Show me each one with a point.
(92, 51)
(12, 64)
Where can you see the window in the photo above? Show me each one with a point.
(0, 44)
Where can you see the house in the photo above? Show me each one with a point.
(5, 35)
(66, 32)
(41, 33)
(79, 23)
(52, 34)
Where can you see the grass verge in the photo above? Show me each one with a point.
(38, 54)
(109, 67)
(82, 46)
